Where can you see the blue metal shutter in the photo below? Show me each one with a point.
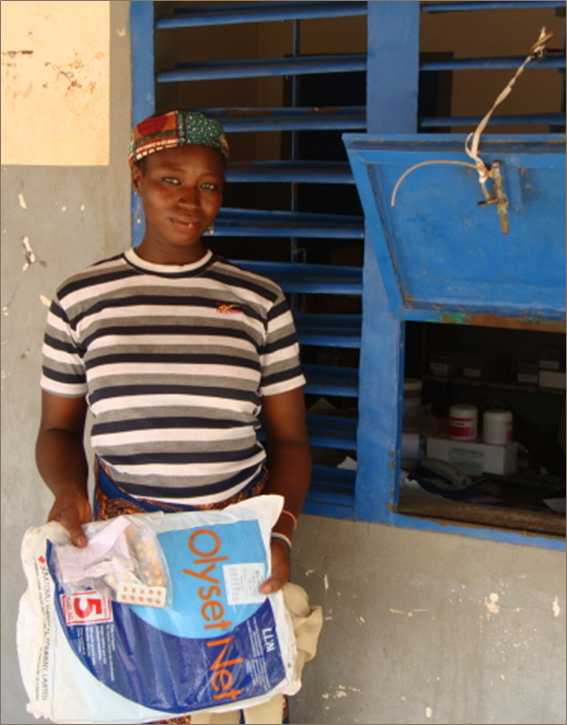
(333, 489)
(393, 31)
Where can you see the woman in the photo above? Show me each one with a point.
(176, 353)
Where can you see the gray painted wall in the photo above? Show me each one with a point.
(65, 240)
(419, 627)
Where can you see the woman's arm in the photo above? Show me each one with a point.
(290, 471)
(61, 461)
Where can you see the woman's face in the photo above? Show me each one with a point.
(181, 190)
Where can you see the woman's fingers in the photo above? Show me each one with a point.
(280, 568)
(71, 515)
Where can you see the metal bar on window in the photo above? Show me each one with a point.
(241, 120)
(329, 330)
(331, 380)
(490, 64)
(233, 222)
(309, 278)
(257, 12)
(328, 431)
(312, 172)
(545, 119)
(451, 7)
(303, 65)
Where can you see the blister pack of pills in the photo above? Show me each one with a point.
(123, 560)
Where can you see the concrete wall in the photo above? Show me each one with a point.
(424, 627)
(72, 216)
(419, 627)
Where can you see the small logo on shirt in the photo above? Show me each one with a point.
(228, 309)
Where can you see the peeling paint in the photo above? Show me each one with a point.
(326, 582)
(491, 603)
(29, 254)
(409, 613)
(82, 207)
(70, 85)
(22, 201)
(555, 607)
(362, 620)
(63, 208)
(309, 572)
(14, 53)
(121, 32)
(45, 300)
(428, 713)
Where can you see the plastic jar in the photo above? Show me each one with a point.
(497, 426)
(463, 422)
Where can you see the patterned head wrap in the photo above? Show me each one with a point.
(173, 129)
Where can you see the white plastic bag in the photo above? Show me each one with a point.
(218, 645)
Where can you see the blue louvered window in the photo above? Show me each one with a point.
(292, 210)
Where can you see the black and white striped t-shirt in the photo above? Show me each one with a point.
(174, 361)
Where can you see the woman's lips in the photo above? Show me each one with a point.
(187, 222)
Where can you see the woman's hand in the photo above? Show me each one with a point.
(71, 512)
(280, 567)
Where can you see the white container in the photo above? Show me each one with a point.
(497, 427)
(463, 422)
(475, 457)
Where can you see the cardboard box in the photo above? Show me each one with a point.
(474, 457)
(552, 379)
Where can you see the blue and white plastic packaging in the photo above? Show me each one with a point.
(216, 645)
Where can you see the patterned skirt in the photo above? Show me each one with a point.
(110, 500)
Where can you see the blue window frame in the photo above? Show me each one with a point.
(392, 109)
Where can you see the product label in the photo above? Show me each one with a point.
(85, 608)
(462, 428)
(242, 583)
(467, 460)
(44, 662)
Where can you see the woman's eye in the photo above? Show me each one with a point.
(171, 180)
(209, 186)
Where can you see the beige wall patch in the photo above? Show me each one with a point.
(55, 82)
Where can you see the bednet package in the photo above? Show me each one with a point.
(159, 616)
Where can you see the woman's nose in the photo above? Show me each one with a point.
(189, 196)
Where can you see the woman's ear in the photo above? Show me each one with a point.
(136, 178)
